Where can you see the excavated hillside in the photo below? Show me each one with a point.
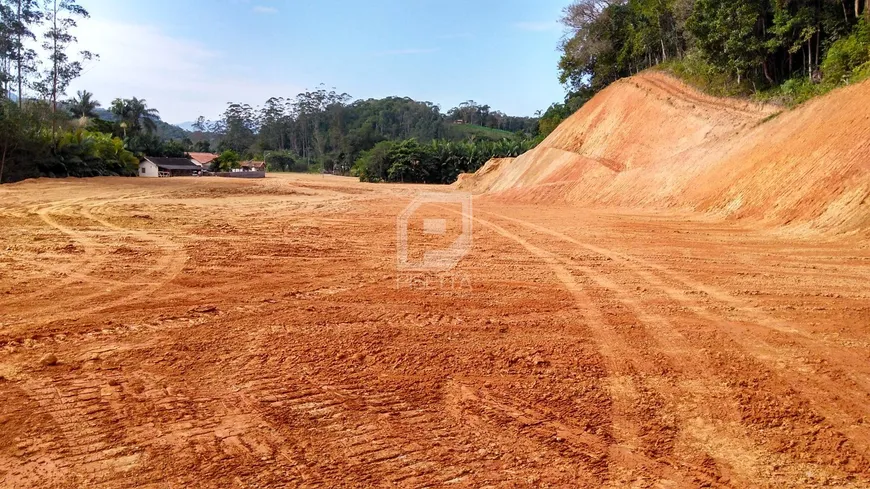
(651, 141)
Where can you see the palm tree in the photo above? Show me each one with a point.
(136, 114)
(84, 105)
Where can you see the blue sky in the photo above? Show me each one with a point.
(191, 57)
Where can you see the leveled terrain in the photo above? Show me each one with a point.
(650, 141)
(219, 333)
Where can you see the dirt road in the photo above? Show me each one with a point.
(218, 333)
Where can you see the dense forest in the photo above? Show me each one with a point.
(324, 130)
(788, 51)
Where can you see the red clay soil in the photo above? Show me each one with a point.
(214, 333)
(650, 141)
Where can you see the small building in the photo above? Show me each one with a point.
(204, 160)
(168, 167)
(253, 166)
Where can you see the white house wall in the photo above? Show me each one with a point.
(148, 169)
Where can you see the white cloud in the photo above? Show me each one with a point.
(538, 26)
(175, 75)
(260, 9)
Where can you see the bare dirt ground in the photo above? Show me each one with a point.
(220, 333)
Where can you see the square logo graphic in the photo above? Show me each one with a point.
(438, 260)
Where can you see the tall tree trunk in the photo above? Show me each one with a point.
(818, 44)
(18, 61)
(767, 72)
(54, 73)
(857, 9)
(810, 56)
(3, 163)
(54, 61)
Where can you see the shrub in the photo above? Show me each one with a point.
(848, 57)
(695, 70)
(799, 90)
(228, 160)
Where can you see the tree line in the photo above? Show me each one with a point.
(326, 130)
(727, 46)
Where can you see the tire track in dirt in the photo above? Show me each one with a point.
(669, 87)
(690, 389)
(72, 272)
(371, 429)
(515, 423)
(75, 272)
(376, 432)
(30, 438)
(165, 269)
(97, 445)
(698, 396)
(88, 437)
(828, 397)
(627, 387)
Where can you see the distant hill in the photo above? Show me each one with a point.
(188, 126)
(168, 131)
(105, 115)
(165, 130)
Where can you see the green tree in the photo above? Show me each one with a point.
(237, 128)
(25, 144)
(227, 161)
(136, 116)
(174, 149)
(12, 126)
(83, 153)
(61, 17)
(202, 146)
(284, 161)
(729, 34)
(83, 105)
(17, 20)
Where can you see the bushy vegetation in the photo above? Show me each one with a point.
(438, 161)
(83, 153)
(227, 161)
(558, 112)
(33, 142)
(848, 59)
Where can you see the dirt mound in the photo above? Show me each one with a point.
(482, 180)
(651, 141)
